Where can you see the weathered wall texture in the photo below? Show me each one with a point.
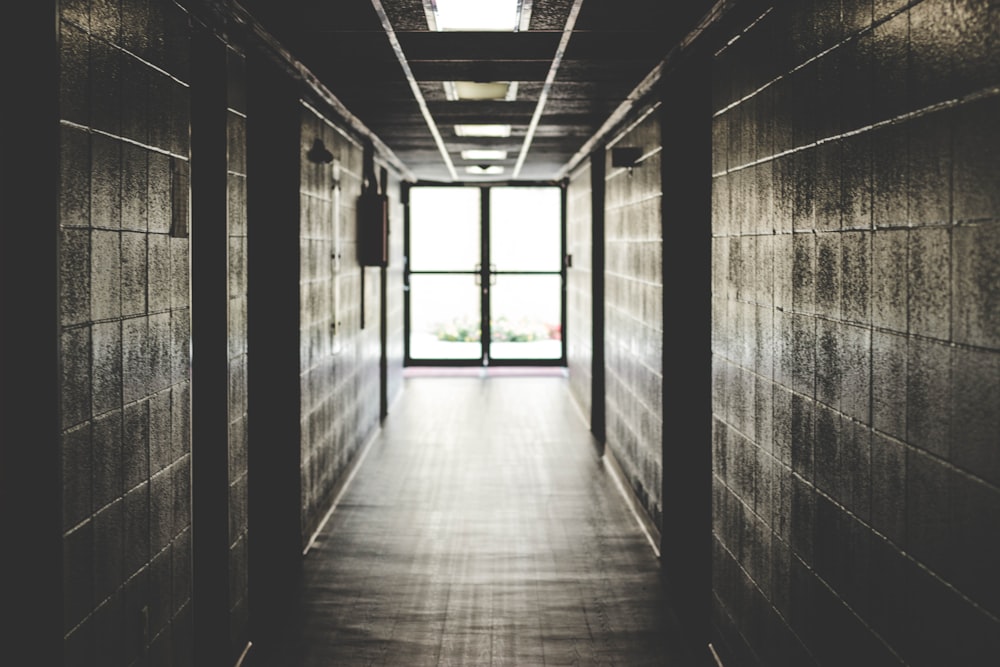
(579, 289)
(125, 350)
(239, 423)
(633, 312)
(339, 325)
(857, 335)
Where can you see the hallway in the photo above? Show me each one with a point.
(481, 529)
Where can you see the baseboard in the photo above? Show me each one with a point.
(650, 529)
(352, 470)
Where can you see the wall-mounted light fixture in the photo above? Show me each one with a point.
(318, 153)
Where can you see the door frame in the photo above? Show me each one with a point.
(485, 272)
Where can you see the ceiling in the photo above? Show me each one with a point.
(574, 62)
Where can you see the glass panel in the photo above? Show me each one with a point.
(526, 314)
(444, 317)
(444, 229)
(525, 229)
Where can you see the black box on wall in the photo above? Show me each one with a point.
(373, 229)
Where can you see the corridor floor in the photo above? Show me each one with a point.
(481, 529)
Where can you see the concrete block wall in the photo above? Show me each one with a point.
(579, 288)
(856, 353)
(339, 321)
(125, 352)
(239, 422)
(633, 314)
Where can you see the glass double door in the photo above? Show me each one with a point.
(484, 275)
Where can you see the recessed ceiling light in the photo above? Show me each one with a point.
(484, 154)
(482, 130)
(475, 90)
(485, 171)
(486, 15)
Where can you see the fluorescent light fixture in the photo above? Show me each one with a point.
(485, 171)
(475, 90)
(484, 15)
(484, 154)
(482, 130)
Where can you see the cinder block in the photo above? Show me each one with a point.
(107, 461)
(975, 513)
(975, 420)
(830, 371)
(856, 360)
(109, 545)
(889, 383)
(804, 273)
(160, 431)
(804, 354)
(161, 509)
(136, 359)
(76, 476)
(180, 421)
(181, 561)
(134, 273)
(890, 59)
(977, 141)
(803, 436)
(105, 274)
(828, 274)
(890, 286)
(78, 573)
(929, 282)
(888, 477)
(136, 529)
(135, 187)
(74, 65)
(890, 177)
(928, 402)
(929, 168)
(976, 295)
(74, 282)
(135, 99)
(933, 47)
(105, 76)
(928, 511)
(135, 444)
(158, 201)
(803, 527)
(107, 366)
(856, 277)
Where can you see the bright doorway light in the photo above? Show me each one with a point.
(485, 15)
(482, 130)
(484, 154)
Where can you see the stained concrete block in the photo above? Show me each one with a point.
(977, 140)
(76, 476)
(975, 420)
(107, 459)
(929, 282)
(928, 415)
(976, 289)
(890, 286)
(136, 529)
(75, 383)
(105, 274)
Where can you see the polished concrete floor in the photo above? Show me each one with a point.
(481, 529)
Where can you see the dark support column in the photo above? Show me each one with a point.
(383, 362)
(31, 585)
(273, 454)
(687, 355)
(210, 358)
(597, 388)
